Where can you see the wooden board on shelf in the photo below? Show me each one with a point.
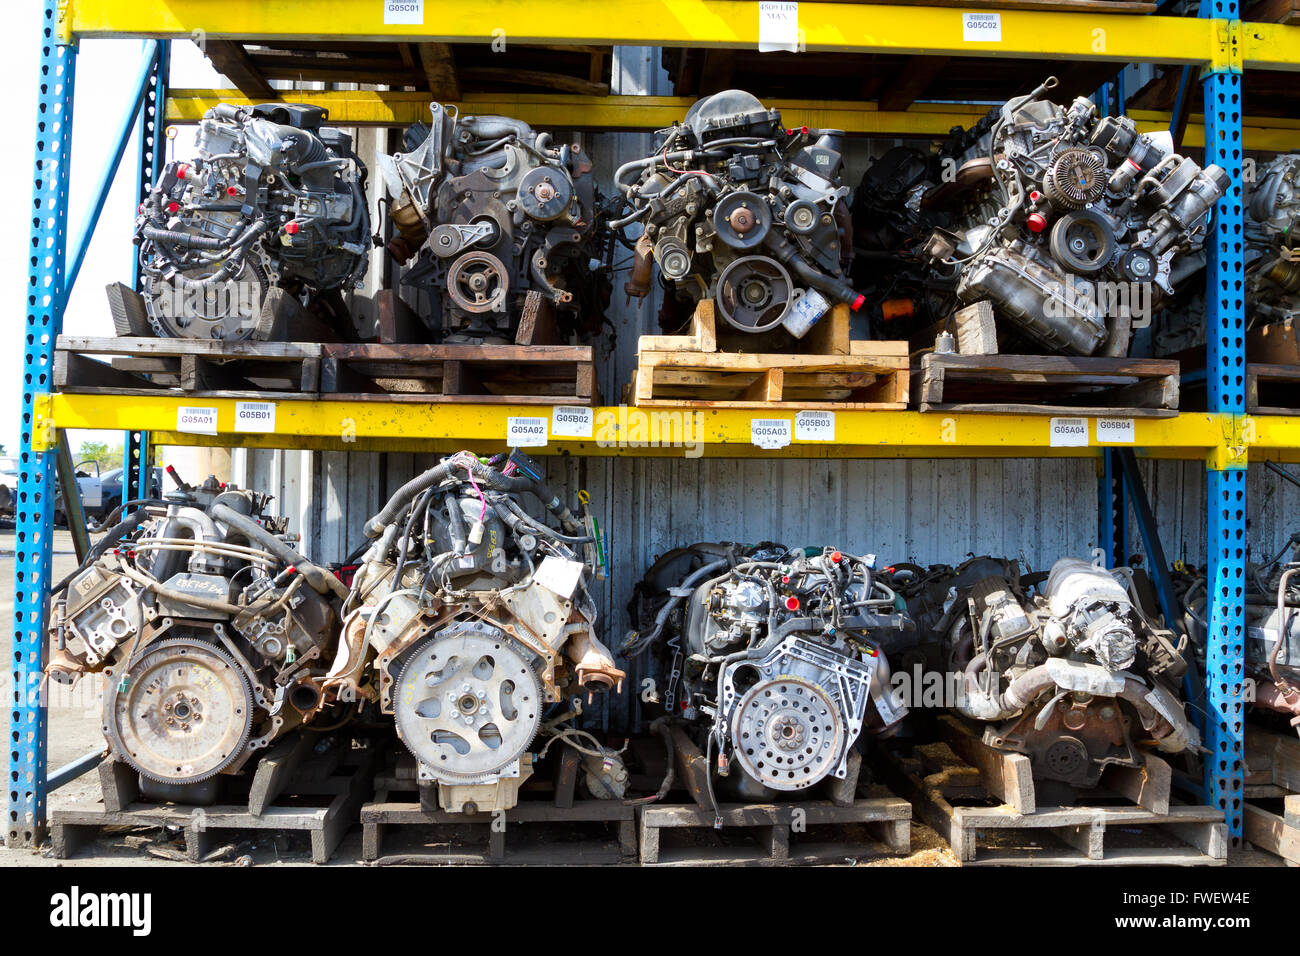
(1272, 389)
(1046, 385)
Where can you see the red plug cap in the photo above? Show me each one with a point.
(232, 191)
(857, 303)
(792, 603)
(1035, 196)
(836, 557)
(785, 579)
(181, 170)
(1036, 222)
(173, 207)
(804, 130)
(291, 228)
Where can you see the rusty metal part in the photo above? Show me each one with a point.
(638, 279)
(1069, 739)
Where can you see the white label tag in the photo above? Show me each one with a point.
(981, 27)
(559, 575)
(525, 432)
(778, 26)
(1069, 433)
(572, 421)
(201, 421)
(814, 426)
(1118, 430)
(769, 432)
(254, 416)
(404, 11)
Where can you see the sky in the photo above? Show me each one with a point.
(106, 70)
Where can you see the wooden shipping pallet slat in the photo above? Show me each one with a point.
(490, 374)
(1046, 385)
(323, 808)
(1272, 389)
(1007, 826)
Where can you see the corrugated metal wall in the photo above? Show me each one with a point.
(922, 511)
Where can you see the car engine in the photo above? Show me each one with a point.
(1272, 211)
(738, 209)
(467, 618)
(1272, 629)
(490, 212)
(215, 632)
(272, 200)
(1067, 672)
(1073, 227)
(773, 657)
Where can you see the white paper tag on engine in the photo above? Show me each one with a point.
(814, 426)
(572, 421)
(254, 416)
(1069, 433)
(525, 432)
(778, 26)
(404, 11)
(1117, 430)
(559, 575)
(200, 421)
(981, 27)
(769, 432)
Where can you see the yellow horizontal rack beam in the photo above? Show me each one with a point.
(607, 113)
(349, 425)
(822, 26)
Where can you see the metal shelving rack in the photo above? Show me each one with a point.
(1217, 43)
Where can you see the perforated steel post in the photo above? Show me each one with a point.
(1226, 371)
(136, 473)
(35, 505)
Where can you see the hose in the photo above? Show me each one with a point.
(320, 580)
(661, 619)
(660, 726)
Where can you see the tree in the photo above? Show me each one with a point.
(98, 451)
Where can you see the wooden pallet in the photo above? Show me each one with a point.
(835, 373)
(851, 822)
(493, 374)
(1274, 11)
(549, 826)
(319, 795)
(1272, 784)
(1046, 385)
(776, 834)
(1272, 389)
(983, 802)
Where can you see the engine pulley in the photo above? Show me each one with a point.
(1082, 242)
(477, 282)
(755, 293)
(742, 220)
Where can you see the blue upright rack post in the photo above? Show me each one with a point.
(1226, 373)
(35, 505)
(137, 475)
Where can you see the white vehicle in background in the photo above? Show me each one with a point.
(90, 484)
(8, 485)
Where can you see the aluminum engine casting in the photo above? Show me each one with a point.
(741, 210)
(491, 215)
(475, 616)
(772, 656)
(216, 632)
(272, 200)
(1273, 211)
(1073, 226)
(1069, 674)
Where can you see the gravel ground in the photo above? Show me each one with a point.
(75, 731)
